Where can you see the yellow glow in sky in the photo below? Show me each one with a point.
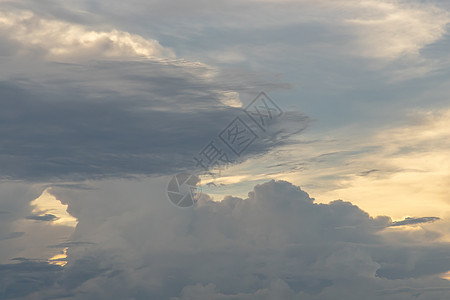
(48, 204)
(400, 172)
(59, 259)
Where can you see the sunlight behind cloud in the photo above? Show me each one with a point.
(59, 259)
(398, 172)
(48, 204)
(230, 98)
(411, 170)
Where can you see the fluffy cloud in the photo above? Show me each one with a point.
(392, 29)
(59, 40)
(276, 244)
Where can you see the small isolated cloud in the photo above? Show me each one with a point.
(414, 221)
(365, 173)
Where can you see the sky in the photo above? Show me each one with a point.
(338, 190)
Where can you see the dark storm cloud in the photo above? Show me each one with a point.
(85, 104)
(113, 120)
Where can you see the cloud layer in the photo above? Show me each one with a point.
(276, 244)
(111, 104)
(99, 102)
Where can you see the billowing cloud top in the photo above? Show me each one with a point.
(276, 244)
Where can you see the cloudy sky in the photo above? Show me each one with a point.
(341, 193)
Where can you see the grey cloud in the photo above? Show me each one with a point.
(413, 291)
(276, 244)
(46, 218)
(92, 116)
(76, 186)
(13, 235)
(96, 120)
(413, 221)
(311, 50)
(70, 244)
(395, 262)
(18, 235)
(14, 200)
(365, 173)
(25, 277)
(56, 131)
